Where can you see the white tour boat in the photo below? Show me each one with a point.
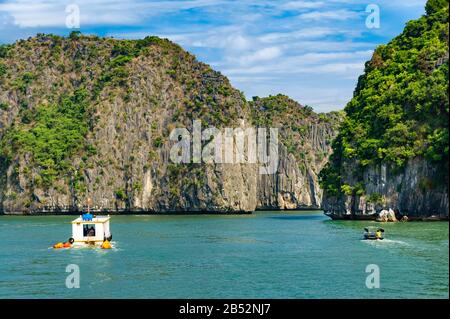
(89, 231)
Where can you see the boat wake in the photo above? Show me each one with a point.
(385, 242)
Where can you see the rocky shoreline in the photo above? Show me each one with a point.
(376, 217)
(126, 213)
(419, 192)
(49, 211)
(333, 216)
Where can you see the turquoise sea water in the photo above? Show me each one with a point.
(264, 255)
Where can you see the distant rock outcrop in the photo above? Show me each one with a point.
(305, 144)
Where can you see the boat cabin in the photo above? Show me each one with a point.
(91, 230)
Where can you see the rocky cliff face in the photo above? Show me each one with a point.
(84, 117)
(305, 144)
(392, 150)
(418, 190)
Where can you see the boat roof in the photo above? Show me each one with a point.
(95, 220)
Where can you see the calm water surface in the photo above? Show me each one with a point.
(264, 255)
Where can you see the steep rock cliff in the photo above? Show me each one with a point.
(305, 144)
(85, 117)
(418, 191)
(392, 149)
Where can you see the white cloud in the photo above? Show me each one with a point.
(329, 15)
(305, 33)
(344, 69)
(51, 13)
(403, 4)
(233, 42)
(331, 56)
(346, 64)
(260, 55)
(330, 46)
(239, 42)
(293, 5)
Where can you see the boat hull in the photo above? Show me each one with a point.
(372, 238)
(86, 245)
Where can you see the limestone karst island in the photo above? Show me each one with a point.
(298, 139)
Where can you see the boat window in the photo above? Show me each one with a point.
(89, 230)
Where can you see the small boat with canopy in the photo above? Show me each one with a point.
(89, 231)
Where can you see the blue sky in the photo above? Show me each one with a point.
(312, 51)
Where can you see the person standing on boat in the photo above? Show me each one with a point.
(91, 232)
(88, 215)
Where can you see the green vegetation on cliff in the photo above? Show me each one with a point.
(400, 106)
(84, 115)
(51, 133)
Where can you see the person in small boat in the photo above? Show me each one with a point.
(378, 234)
(366, 233)
(69, 243)
(87, 216)
(91, 232)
